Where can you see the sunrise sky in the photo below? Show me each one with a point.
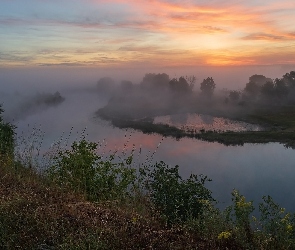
(114, 33)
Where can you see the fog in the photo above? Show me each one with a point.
(21, 89)
(51, 78)
(229, 167)
(23, 92)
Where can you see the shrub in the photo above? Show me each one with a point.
(6, 138)
(238, 216)
(81, 169)
(176, 199)
(277, 225)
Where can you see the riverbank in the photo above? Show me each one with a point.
(38, 213)
(278, 124)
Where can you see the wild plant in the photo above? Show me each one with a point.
(28, 147)
(238, 216)
(176, 199)
(7, 139)
(83, 170)
(277, 225)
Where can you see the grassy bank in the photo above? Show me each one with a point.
(84, 202)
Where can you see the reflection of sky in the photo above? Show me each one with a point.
(197, 122)
(255, 170)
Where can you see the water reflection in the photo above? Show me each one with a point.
(255, 170)
(201, 122)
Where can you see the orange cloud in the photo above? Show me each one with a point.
(161, 33)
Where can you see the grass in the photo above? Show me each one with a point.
(35, 214)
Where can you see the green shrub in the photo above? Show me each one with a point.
(176, 199)
(82, 169)
(238, 216)
(6, 138)
(277, 225)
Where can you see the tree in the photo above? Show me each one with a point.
(268, 90)
(259, 79)
(106, 84)
(155, 81)
(180, 86)
(252, 88)
(207, 86)
(289, 79)
(280, 87)
(234, 95)
(126, 85)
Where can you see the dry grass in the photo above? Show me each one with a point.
(35, 214)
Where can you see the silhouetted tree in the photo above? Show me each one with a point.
(259, 79)
(51, 99)
(126, 85)
(268, 90)
(280, 87)
(155, 81)
(191, 81)
(289, 79)
(252, 89)
(207, 86)
(106, 84)
(234, 95)
(180, 86)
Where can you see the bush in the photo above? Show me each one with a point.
(176, 199)
(6, 138)
(81, 169)
(277, 225)
(238, 215)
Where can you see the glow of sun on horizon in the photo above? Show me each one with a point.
(163, 33)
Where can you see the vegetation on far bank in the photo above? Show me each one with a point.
(266, 102)
(85, 200)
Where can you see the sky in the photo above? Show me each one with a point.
(46, 44)
(143, 33)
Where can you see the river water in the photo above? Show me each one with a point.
(255, 170)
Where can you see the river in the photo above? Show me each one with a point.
(255, 170)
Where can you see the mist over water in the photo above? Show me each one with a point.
(255, 170)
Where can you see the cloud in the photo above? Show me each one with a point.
(153, 31)
(15, 56)
(270, 37)
(264, 36)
